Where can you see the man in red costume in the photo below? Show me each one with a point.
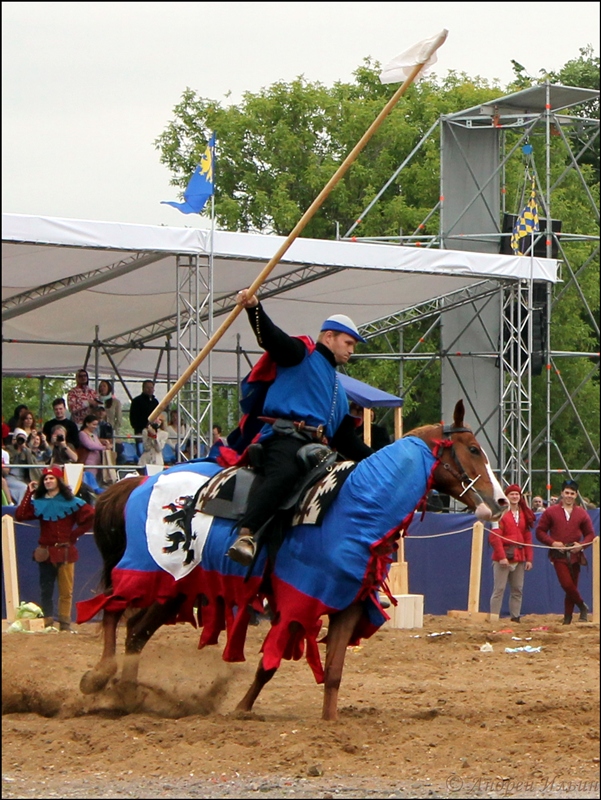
(512, 552)
(567, 528)
(63, 519)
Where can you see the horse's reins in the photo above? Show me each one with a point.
(462, 476)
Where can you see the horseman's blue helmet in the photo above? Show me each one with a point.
(342, 324)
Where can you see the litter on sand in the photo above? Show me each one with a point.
(486, 648)
(527, 649)
(442, 633)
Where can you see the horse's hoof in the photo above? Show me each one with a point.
(242, 713)
(94, 680)
(129, 695)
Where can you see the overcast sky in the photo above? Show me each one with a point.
(87, 87)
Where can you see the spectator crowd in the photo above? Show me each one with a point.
(87, 426)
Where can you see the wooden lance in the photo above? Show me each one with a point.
(301, 224)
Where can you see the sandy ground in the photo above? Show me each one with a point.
(421, 715)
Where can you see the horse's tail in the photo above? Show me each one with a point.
(109, 525)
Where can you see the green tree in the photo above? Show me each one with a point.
(278, 149)
(36, 393)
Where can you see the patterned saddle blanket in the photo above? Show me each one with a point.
(226, 494)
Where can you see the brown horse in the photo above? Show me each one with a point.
(390, 485)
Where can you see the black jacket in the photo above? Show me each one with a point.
(141, 408)
(287, 351)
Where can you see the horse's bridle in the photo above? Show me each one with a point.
(467, 483)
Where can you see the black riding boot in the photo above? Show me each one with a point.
(583, 613)
(244, 548)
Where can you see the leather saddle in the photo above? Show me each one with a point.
(226, 494)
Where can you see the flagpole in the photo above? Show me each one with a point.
(528, 477)
(301, 224)
(210, 289)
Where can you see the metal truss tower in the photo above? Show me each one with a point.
(479, 148)
(194, 329)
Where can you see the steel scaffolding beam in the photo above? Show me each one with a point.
(194, 320)
(528, 116)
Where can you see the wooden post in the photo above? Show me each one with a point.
(398, 422)
(9, 567)
(473, 594)
(367, 426)
(473, 597)
(596, 615)
(398, 577)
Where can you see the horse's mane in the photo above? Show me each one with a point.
(423, 431)
(109, 525)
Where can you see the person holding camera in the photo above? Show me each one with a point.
(63, 519)
(154, 438)
(13, 488)
(40, 450)
(19, 454)
(62, 451)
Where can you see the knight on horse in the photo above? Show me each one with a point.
(304, 402)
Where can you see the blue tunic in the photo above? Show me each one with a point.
(310, 391)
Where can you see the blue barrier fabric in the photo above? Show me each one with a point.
(438, 567)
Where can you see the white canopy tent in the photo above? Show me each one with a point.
(67, 283)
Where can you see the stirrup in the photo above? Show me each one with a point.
(243, 550)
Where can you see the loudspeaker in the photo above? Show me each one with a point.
(539, 325)
(540, 247)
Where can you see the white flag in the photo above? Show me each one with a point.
(423, 52)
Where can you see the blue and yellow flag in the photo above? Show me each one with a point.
(526, 224)
(200, 187)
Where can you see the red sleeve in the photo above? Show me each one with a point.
(587, 529)
(494, 539)
(84, 517)
(25, 509)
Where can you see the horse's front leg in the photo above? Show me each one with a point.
(140, 628)
(262, 676)
(340, 630)
(97, 678)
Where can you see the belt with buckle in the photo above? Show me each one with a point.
(301, 425)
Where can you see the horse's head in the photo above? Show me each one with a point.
(464, 471)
